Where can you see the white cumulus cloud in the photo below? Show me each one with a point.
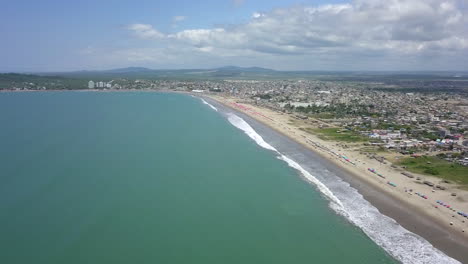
(360, 29)
(257, 15)
(145, 31)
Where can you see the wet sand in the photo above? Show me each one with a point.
(413, 213)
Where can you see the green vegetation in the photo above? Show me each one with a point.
(386, 125)
(339, 111)
(435, 166)
(336, 110)
(37, 82)
(336, 134)
(295, 122)
(263, 96)
(373, 149)
(323, 115)
(429, 135)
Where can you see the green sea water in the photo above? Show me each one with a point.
(154, 178)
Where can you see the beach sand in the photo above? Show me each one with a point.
(441, 226)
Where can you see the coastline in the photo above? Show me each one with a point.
(413, 213)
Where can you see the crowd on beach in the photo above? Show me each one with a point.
(457, 215)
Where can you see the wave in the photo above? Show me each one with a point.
(400, 243)
(244, 126)
(336, 203)
(212, 107)
(403, 245)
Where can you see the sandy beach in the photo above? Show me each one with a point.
(424, 210)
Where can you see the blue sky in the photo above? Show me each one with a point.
(54, 35)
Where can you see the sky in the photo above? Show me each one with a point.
(349, 35)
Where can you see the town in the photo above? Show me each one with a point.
(406, 122)
(431, 118)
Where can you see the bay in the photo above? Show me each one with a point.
(140, 177)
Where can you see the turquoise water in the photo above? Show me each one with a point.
(154, 178)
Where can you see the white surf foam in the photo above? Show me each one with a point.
(244, 126)
(402, 244)
(212, 107)
(336, 203)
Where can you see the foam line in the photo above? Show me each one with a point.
(244, 126)
(402, 244)
(212, 107)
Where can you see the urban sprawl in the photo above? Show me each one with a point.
(413, 123)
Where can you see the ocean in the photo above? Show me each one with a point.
(144, 177)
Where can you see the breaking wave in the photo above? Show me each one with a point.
(244, 126)
(400, 243)
(212, 107)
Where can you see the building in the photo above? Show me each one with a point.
(91, 85)
(101, 84)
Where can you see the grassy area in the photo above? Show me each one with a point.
(325, 115)
(371, 149)
(294, 122)
(437, 167)
(336, 134)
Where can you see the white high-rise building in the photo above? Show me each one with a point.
(101, 85)
(91, 85)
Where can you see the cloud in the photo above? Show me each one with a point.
(257, 15)
(145, 31)
(362, 28)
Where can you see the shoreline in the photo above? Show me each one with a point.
(89, 90)
(409, 214)
(413, 213)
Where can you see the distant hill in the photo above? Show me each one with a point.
(147, 70)
(252, 73)
(225, 68)
(443, 82)
(244, 69)
(146, 73)
(19, 77)
(220, 69)
(38, 82)
(129, 69)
